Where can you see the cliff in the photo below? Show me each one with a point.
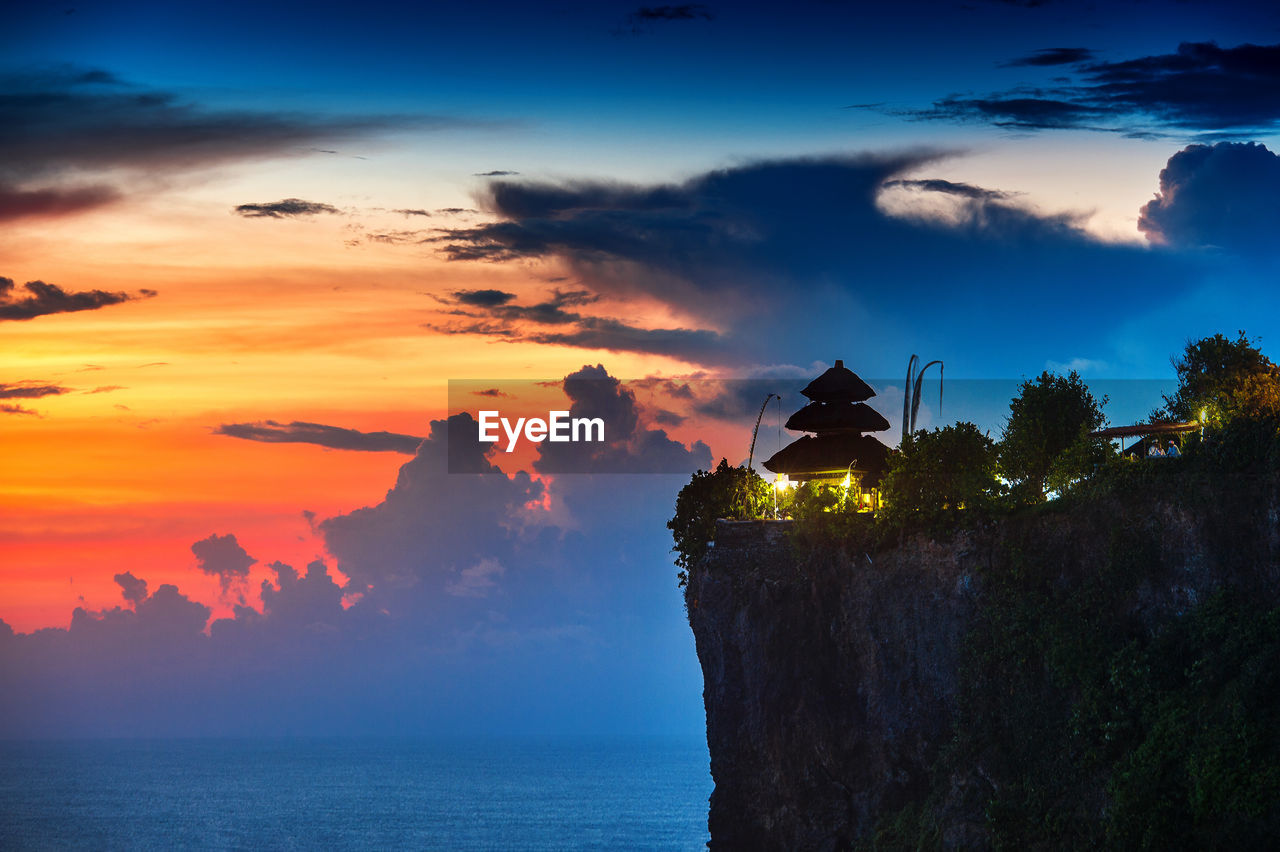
(963, 692)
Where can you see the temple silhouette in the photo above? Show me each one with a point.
(838, 418)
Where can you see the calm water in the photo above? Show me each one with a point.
(309, 794)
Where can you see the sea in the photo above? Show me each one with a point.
(499, 794)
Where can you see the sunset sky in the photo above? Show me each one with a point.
(246, 247)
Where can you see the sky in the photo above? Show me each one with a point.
(262, 265)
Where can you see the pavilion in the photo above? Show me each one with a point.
(838, 448)
(1145, 430)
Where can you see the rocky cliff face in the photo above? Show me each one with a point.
(829, 684)
(832, 676)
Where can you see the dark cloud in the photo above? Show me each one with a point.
(133, 588)
(628, 447)
(749, 252)
(223, 557)
(740, 399)
(1053, 56)
(29, 390)
(482, 298)
(404, 211)
(396, 237)
(667, 227)
(495, 173)
(333, 437)
(491, 314)
(46, 299)
(611, 335)
(491, 392)
(287, 208)
(34, 203)
(947, 187)
(1201, 87)
(1225, 195)
(165, 617)
(682, 12)
(642, 19)
(78, 139)
(6, 408)
(1022, 111)
(410, 544)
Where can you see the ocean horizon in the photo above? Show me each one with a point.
(518, 793)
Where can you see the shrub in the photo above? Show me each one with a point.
(937, 474)
(735, 493)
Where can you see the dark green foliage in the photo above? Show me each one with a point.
(1040, 642)
(1224, 378)
(1077, 463)
(1204, 767)
(935, 475)
(1090, 717)
(735, 493)
(1050, 415)
(854, 534)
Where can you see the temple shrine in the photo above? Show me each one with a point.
(839, 448)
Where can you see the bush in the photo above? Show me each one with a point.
(735, 493)
(937, 474)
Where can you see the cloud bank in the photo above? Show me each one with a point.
(798, 244)
(1225, 196)
(464, 605)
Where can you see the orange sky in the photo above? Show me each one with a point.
(255, 320)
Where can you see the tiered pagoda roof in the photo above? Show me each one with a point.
(837, 416)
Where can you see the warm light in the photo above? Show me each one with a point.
(783, 482)
(866, 498)
(845, 484)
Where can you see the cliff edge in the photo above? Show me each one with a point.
(849, 693)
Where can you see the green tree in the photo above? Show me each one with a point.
(1077, 462)
(1224, 378)
(735, 493)
(1050, 415)
(936, 474)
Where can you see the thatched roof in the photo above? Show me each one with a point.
(838, 384)
(829, 456)
(1147, 429)
(822, 417)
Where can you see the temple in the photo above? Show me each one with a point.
(838, 417)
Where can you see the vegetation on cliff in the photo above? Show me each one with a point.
(935, 476)
(1119, 683)
(727, 492)
(1096, 719)
(1097, 707)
